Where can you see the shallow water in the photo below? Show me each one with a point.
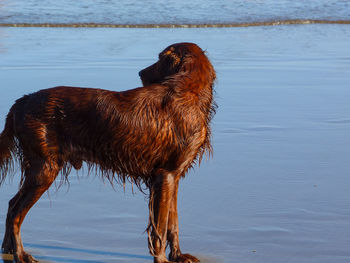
(276, 189)
(168, 12)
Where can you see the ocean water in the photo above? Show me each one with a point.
(169, 12)
(277, 187)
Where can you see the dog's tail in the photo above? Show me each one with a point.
(7, 147)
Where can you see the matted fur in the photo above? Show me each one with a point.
(150, 135)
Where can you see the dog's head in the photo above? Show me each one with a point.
(178, 59)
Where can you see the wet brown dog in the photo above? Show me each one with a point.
(150, 135)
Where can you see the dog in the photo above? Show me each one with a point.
(150, 136)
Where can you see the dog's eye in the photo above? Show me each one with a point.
(164, 55)
(168, 53)
(170, 58)
(175, 59)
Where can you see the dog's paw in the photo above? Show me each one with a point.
(186, 258)
(29, 258)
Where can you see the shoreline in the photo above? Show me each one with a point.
(218, 25)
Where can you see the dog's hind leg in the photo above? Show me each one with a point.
(38, 175)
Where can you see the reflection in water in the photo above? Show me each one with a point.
(81, 250)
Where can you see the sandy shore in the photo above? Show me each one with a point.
(277, 187)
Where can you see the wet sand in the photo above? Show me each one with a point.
(277, 187)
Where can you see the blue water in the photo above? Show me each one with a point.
(172, 11)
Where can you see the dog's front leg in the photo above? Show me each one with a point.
(173, 227)
(162, 190)
(173, 233)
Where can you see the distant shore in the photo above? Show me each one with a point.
(218, 25)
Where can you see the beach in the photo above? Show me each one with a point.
(277, 187)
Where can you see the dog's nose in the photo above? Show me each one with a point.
(140, 73)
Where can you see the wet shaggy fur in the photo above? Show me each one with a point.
(150, 136)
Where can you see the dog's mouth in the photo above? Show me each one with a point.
(143, 80)
(145, 83)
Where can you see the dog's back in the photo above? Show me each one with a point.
(128, 134)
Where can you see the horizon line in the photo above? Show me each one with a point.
(180, 25)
